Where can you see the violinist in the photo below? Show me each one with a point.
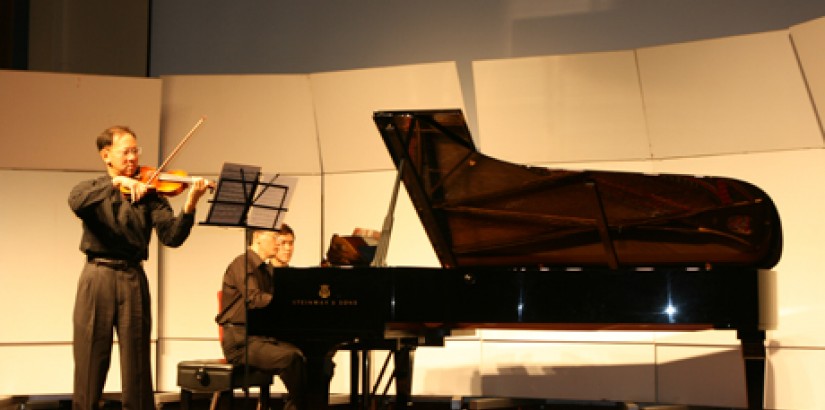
(113, 293)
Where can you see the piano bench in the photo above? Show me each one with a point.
(220, 378)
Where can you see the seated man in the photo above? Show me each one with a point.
(268, 249)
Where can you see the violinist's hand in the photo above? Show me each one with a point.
(137, 189)
(197, 188)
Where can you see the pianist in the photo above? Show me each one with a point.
(268, 249)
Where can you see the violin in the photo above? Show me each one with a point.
(168, 183)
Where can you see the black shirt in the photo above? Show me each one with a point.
(258, 287)
(113, 227)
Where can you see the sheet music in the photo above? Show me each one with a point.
(264, 218)
(236, 183)
(238, 172)
(233, 194)
(271, 201)
(245, 197)
(226, 214)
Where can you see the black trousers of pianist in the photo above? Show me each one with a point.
(112, 297)
(269, 354)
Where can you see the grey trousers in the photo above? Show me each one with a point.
(109, 300)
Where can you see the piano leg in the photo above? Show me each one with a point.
(354, 376)
(360, 364)
(363, 396)
(320, 369)
(753, 353)
(403, 376)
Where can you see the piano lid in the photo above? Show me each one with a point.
(480, 211)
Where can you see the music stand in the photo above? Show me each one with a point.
(242, 200)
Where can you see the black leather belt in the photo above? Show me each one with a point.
(114, 263)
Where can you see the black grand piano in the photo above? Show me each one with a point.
(525, 247)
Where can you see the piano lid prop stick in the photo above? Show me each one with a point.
(380, 259)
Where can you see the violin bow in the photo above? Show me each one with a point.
(175, 151)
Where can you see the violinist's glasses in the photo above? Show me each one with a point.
(133, 151)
